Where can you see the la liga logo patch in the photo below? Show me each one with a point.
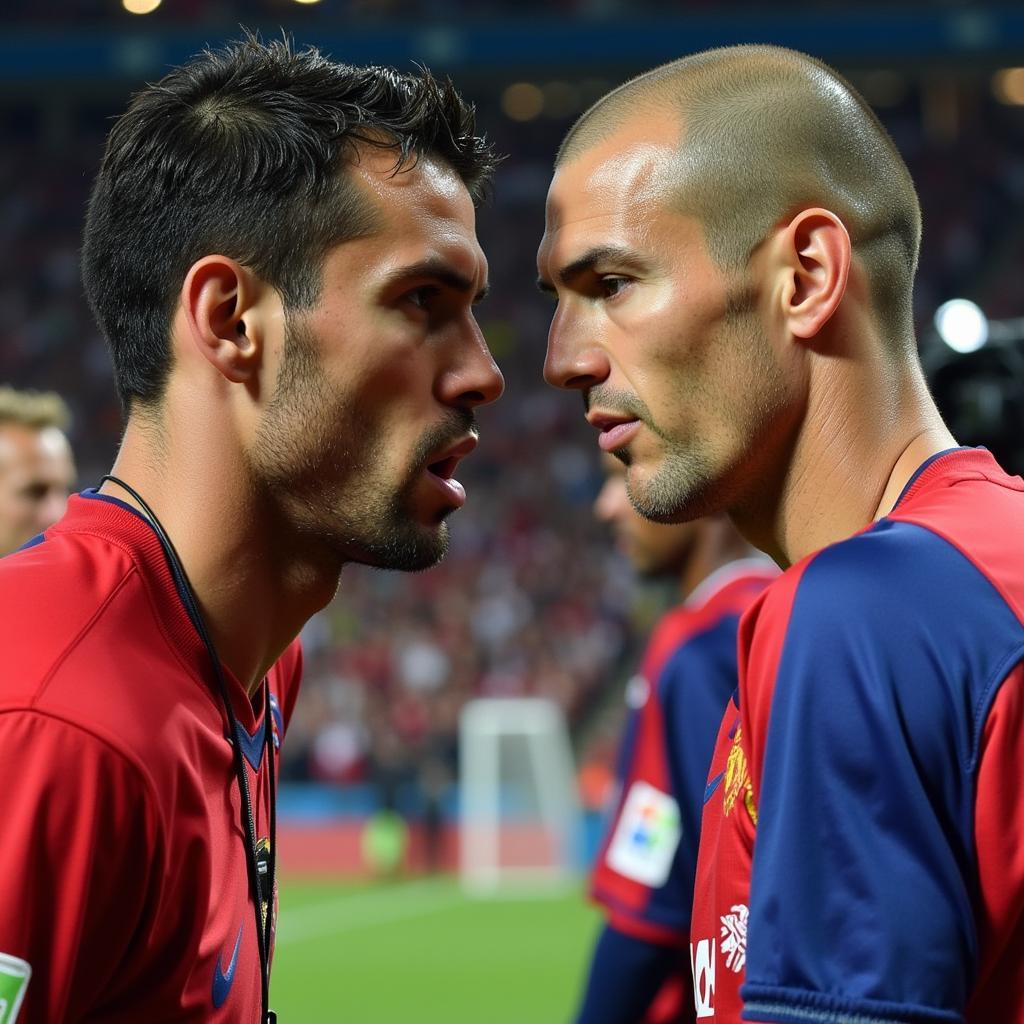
(14, 976)
(646, 836)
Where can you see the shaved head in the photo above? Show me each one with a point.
(764, 132)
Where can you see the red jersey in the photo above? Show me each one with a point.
(862, 851)
(644, 872)
(127, 893)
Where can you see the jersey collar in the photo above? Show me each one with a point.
(121, 524)
(951, 462)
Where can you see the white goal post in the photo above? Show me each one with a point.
(519, 811)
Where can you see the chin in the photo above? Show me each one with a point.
(682, 489)
(410, 547)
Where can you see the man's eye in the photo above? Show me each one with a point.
(611, 285)
(422, 297)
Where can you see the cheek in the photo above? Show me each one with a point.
(758, 392)
(390, 411)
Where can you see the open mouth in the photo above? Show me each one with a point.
(615, 435)
(441, 471)
(444, 468)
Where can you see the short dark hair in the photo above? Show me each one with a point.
(764, 132)
(241, 152)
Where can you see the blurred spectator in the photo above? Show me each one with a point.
(37, 470)
(643, 876)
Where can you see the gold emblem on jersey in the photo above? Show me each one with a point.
(737, 779)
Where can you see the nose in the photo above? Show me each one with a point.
(475, 379)
(571, 361)
(604, 503)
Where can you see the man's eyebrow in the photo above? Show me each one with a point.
(619, 255)
(440, 271)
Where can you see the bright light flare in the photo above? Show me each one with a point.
(1008, 86)
(140, 6)
(962, 325)
(522, 101)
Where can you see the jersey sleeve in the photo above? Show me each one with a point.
(645, 873)
(864, 703)
(626, 976)
(78, 847)
(638, 855)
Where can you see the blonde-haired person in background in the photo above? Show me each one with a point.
(37, 469)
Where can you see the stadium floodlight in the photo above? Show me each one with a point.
(519, 812)
(962, 325)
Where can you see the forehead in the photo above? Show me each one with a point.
(31, 448)
(616, 188)
(423, 210)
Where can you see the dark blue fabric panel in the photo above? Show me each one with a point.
(864, 865)
(924, 465)
(94, 495)
(34, 542)
(625, 976)
(253, 744)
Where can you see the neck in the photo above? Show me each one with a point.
(864, 434)
(254, 592)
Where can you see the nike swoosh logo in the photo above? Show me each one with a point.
(712, 786)
(222, 980)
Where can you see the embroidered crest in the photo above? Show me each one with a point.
(737, 779)
(734, 938)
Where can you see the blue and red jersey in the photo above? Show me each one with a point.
(127, 896)
(644, 873)
(862, 846)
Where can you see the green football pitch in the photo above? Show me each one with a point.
(421, 952)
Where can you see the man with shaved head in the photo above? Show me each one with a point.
(732, 241)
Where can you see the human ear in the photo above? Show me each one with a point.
(816, 253)
(217, 295)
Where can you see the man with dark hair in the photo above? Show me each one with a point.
(37, 469)
(732, 241)
(282, 254)
(643, 876)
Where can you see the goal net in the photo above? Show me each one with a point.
(520, 816)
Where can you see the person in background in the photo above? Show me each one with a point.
(644, 874)
(37, 469)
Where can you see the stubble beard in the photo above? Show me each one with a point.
(682, 489)
(698, 478)
(330, 497)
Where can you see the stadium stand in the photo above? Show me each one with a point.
(532, 601)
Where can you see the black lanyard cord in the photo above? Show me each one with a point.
(264, 926)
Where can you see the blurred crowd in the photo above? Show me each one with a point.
(221, 13)
(531, 599)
